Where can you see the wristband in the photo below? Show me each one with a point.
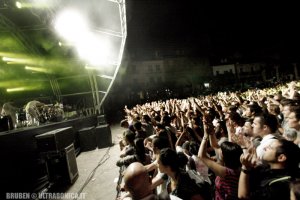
(205, 138)
(246, 171)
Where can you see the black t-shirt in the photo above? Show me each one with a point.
(270, 184)
(186, 187)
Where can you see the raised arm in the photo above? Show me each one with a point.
(218, 169)
(247, 160)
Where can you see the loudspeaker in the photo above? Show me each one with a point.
(101, 119)
(56, 140)
(87, 139)
(103, 136)
(62, 166)
(71, 163)
(6, 123)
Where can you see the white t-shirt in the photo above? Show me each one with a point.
(265, 142)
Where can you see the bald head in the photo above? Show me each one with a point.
(137, 180)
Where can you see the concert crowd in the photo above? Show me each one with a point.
(227, 145)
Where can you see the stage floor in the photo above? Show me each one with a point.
(104, 181)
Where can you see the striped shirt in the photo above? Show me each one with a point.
(227, 186)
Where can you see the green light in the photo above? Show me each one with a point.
(37, 69)
(15, 89)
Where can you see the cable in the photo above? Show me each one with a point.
(104, 158)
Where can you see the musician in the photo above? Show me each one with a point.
(59, 108)
(32, 109)
(9, 110)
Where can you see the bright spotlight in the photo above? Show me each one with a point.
(70, 25)
(18, 4)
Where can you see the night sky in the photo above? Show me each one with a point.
(226, 30)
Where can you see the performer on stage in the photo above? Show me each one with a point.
(9, 110)
(32, 109)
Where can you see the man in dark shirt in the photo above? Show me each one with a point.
(270, 181)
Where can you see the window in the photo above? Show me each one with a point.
(157, 68)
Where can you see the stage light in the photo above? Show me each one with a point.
(106, 76)
(89, 67)
(70, 25)
(37, 69)
(18, 4)
(10, 60)
(15, 89)
(7, 59)
(32, 4)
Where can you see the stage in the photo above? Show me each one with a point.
(23, 169)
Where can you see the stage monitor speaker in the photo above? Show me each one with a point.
(56, 140)
(62, 167)
(101, 119)
(71, 163)
(103, 136)
(87, 139)
(6, 123)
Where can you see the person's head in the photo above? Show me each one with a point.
(286, 111)
(159, 143)
(186, 147)
(137, 181)
(278, 97)
(232, 109)
(137, 125)
(273, 109)
(129, 137)
(166, 120)
(168, 161)
(264, 124)
(182, 160)
(294, 119)
(159, 127)
(295, 190)
(124, 123)
(247, 128)
(146, 118)
(290, 134)
(236, 119)
(252, 110)
(282, 154)
(231, 153)
(193, 148)
(286, 105)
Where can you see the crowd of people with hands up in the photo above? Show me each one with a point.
(223, 146)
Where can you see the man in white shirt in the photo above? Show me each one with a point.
(264, 126)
